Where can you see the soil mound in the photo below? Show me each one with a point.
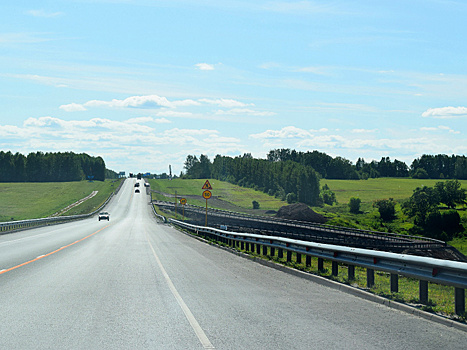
(300, 212)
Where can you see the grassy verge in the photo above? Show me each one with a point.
(20, 201)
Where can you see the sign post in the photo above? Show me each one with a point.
(206, 195)
(183, 202)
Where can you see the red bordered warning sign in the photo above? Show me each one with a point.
(207, 186)
(207, 194)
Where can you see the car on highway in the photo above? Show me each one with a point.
(137, 184)
(137, 190)
(104, 216)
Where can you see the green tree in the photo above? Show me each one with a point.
(423, 201)
(255, 204)
(450, 193)
(386, 209)
(354, 205)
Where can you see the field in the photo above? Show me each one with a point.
(231, 197)
(31, 200)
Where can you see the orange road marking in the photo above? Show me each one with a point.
(55, 251)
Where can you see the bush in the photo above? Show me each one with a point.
(327, 196)
(354, 205)
(386, 208)
(255, 205)
(291, 198)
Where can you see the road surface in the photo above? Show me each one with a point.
(134, 283)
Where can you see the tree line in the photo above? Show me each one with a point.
(287, 180)
(52, 167)
(439, 166)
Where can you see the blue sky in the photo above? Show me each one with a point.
(145, 83)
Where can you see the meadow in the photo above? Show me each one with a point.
(32, 200)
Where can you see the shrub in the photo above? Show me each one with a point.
(255, 205)
(291, 198)
(354, 205)
(386, 208)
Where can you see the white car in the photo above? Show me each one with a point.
(104, 216)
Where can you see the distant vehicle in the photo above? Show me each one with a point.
(137, 190)
(137, 184)
(104, 216)
(146, 184)
(138, 176)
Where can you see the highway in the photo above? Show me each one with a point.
(134, 283)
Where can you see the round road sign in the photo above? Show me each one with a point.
(183, 201)
(207, 194)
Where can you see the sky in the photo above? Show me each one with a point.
(145, 83)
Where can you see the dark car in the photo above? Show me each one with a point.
(137, 190)
(104, 216)
(137, 184)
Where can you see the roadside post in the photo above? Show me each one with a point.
(183, 202)
(206, 195)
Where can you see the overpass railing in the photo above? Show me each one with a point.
(425, 269)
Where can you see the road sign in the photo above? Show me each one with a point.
(207, 194)
(183, 201)
(207, 186)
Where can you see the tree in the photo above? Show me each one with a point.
(450, 193)
(423, 201)
(327, 196)
(386, 208)
(354, 205)
(255, 204)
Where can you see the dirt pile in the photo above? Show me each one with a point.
(300, 212)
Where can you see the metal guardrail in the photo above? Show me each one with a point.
(333, 234)
(9, 226)
(446, 272)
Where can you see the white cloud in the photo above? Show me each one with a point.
(245, 111)
(285, 133)
(445, 112)
(440, 128)
(204, 66)
(42, 13)
(363, 131)
(174, 114)
(225, 102)
(148, 101)
(73, 107)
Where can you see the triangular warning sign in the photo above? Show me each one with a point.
(207, 186)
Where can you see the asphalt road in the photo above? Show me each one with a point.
(133, 283)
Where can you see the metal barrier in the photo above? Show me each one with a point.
(309, 231)
(445, 272)
(9, 226)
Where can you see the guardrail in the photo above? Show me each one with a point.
(22, 224)
(446, 272)
(321, 232)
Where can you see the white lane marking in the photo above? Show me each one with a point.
(194, 324)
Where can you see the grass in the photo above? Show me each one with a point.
(231, 197)
(228, 195)
(31, 200)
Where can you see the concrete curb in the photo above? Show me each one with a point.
(340, 286)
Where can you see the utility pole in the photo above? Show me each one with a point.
(170, 172)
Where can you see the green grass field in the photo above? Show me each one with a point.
(31, 200)
(231, 197)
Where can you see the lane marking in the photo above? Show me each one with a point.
(191, 319)
(48, 254)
